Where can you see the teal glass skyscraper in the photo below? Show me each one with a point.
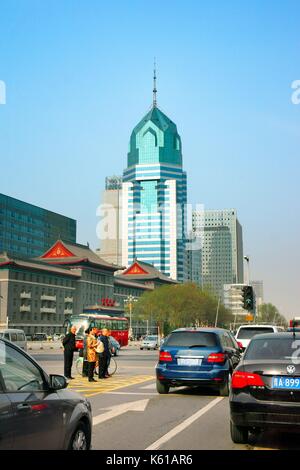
(154, 195)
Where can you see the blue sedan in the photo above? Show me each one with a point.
(197, 357)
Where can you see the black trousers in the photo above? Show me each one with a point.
(102, 358)
(68, 361)
(91, 369)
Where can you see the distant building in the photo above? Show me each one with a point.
(194, 261)
(258, 287)
(110, 232)
(233, 299)
(222, 248)
(154, 195)
(27, 230)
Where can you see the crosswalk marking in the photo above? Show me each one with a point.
(81, 384)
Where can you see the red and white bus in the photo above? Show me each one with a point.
(117, 325)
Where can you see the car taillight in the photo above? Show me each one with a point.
(240, 345)
(165, 357)
(216, 357)
(246, 379)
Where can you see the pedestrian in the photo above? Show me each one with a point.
(69, 344)
(104, 357)
(91, 355)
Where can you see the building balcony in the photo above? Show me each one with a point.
(68, 299)
(25, 308)
(25, 295)
(48, 310)
(48, 297)
(68, 311)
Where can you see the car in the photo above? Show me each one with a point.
(56, 336)
(265, 387)
(203, 357)
(149, 342)
(15, 336)
(246, 332)
(37, 412)
(39, 337)
(115, 345)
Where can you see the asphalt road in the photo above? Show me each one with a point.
(129, 414)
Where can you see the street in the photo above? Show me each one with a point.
(129, 414)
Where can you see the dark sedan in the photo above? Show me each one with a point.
(35, 410)
(265, 387)
(197, 357)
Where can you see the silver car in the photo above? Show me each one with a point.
(36, 412)
(149, 342)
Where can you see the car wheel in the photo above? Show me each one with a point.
(162, 389)
(80, 439)
(239, 434)
(225, 387)
(141, 348)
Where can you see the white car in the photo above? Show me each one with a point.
(150, 342)
(246, 332)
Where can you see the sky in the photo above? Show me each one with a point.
(78, 78)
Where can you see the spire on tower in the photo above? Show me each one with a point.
(154, 86)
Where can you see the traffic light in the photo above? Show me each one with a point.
(248, 298)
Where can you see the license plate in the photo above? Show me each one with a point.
(189, 362)
(288, 383)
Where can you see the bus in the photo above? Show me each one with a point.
(117, 325)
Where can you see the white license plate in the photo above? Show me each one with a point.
(189, 362)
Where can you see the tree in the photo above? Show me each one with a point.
(181, 305)
(268, 313)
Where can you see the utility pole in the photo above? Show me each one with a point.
(217, 314)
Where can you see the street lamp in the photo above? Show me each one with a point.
(248, 270)
(129, 301)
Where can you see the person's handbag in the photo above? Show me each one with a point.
(100, 347)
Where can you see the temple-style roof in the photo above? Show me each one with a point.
(66, 253)
(140, 271)
(6, 260)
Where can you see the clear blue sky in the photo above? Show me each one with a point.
(79, 77)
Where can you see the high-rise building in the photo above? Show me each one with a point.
(258, 287)
(27, 230)
(154, 196)
(194, 260)
(220, 234)
(110, 232)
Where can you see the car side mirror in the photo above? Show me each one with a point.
(58, 382)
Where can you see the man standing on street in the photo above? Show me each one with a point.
(69, 348)
(104, 356)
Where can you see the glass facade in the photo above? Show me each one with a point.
(154, 196)
(28, 231)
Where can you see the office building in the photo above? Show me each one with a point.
(110, 233)
(154, 196)
(221, 239)
(27, 230)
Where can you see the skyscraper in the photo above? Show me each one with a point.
(154, 195)
(221, 239)
(110, 226)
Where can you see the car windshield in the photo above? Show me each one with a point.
(272, 348)
(248, 333)
(151, 338)
(192, 339)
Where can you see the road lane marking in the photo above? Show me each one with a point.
(81, 384)
(117, 410)
(162, 440)
(131, 393)
(151, 386)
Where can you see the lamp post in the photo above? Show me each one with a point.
(248, 269)
(129, 301)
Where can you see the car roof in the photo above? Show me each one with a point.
(258, 326)
(204, 330)
(284, 335)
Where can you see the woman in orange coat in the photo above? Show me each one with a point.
(91, 355)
